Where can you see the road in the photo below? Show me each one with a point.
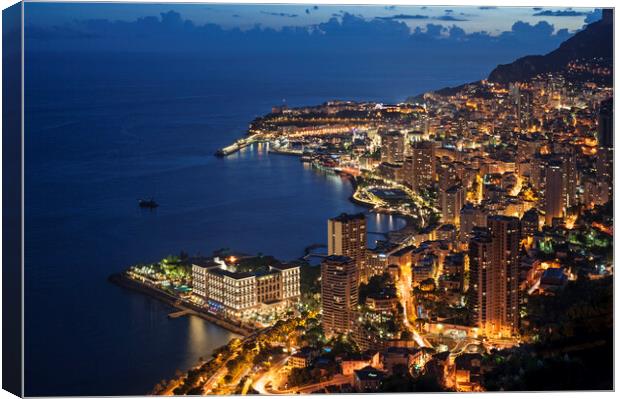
(261, 383)
(338, 379)
(404, 288)
(210, 384)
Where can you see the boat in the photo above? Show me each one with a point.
(150, 203)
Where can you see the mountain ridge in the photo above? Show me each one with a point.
(595, 41)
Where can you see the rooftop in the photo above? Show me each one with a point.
(346, 217)
(369, 374)
(228, 273)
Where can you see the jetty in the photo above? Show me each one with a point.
(238, 145)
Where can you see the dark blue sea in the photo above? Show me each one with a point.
(103, 131)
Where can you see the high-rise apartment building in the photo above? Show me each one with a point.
(451, 201)
(554, 189)
(605, 152)
(479, 271)
(346, 236)
(494, 276)
(571, 178)
(339, 294)
(471, 216)
(392, 147)
(446, 173)
(420, 166)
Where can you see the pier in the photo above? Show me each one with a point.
(238, 145)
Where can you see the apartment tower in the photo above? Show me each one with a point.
(339, 294)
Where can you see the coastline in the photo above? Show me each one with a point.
(408, 219)
(123, 281)
(180, 308)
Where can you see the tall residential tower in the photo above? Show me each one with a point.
(346, 236)
(339, 294)
(494, 277)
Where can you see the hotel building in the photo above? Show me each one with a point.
(239, 295)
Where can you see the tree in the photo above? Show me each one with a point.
(299, 377)
(377, 285)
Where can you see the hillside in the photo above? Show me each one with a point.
(595, 41)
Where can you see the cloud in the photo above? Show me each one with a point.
(560, 13)
(449, 18)
(527, 33)
(345, 36)
(405, 16)
(434, 30)
(524, 28)
(280, 14)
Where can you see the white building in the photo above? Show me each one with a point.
(221, 290)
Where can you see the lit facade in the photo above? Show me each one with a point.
(241, 294)
(451, 204)
(494, 277)
(346, 236)
(339, 294)
(392, 147)
(420, 166)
